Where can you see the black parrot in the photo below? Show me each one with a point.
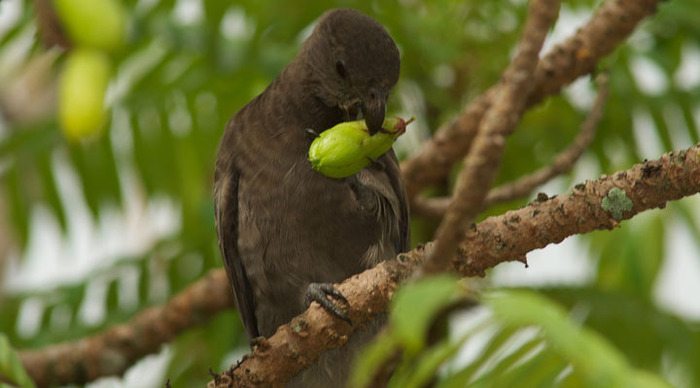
(286, 232)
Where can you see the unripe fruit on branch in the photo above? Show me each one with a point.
(84, 79)
(348, 147)
(99, 24)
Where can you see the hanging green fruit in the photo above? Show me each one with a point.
(99, 24)
(82, 86)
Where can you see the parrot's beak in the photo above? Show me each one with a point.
(373, 110)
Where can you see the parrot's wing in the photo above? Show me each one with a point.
(226, 213)
(394, 173)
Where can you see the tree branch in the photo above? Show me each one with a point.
(115, 350)
(483, 162)
(50, 29)
(299, 343)
(562, 163)
(611, 24)
(497, 239)
(594, 205)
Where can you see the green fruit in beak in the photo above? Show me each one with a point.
(347, 148)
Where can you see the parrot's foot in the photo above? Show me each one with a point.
(327, 296)
(256, 341)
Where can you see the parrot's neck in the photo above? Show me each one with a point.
(294, 89)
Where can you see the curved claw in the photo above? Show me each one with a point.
(257, 341)
(326, 295)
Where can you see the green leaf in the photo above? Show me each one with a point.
(648, 336)
(11, 369)
(595, 359)
(644, 379)
(371, 359)
(539, 371)
(50, 187)
(631, 256)
(488, 362)
(203, 348)
(415, 305)
(428, 364)
(19, 204)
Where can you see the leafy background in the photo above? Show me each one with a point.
(91, 233)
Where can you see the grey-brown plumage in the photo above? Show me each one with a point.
(285, 230)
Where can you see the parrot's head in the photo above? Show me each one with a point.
(352, 64)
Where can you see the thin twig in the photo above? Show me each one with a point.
(578, 55)
(562, 163)
(482, 163)
(50, 29)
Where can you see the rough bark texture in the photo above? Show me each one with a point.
(594, 205)
(273, 361)
(608, 27)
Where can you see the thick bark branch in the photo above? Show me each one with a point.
(594, 205)
(497, 239)
(562, 163)
(578, 55)
(483, 162)
(115, 350)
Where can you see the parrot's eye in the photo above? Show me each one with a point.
(340, 68)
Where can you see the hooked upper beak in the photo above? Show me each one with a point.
(373, 110)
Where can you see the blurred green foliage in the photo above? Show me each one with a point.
(189, 65)
(550, 350)
(11, 369)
